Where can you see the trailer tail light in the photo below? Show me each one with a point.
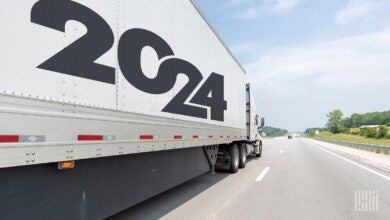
(66, 165)
(210, 136)
(195, 136)
(22, 138)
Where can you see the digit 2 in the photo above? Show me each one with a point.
(78, 59)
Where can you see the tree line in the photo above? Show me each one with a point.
(337, 123)
(310, 130)
(274, 132)
(372, 118)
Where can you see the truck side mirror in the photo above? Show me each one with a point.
(260, 128)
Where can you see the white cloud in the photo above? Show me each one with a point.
(283, 5)
(250, 9)
(236, 2)
(248, 14)
(354, 10)
(346, 62)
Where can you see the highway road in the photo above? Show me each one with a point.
(295, 179)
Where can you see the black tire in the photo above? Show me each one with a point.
(242, 149)
(260, 150)
(234, 155)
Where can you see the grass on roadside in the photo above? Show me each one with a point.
(355, 130)
(352, 138)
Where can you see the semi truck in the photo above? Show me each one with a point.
(106, 103)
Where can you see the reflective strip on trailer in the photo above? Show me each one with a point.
(146, 137)
(32, 138)
(22, 138)
(109, 138)
(177, 137)
(9, 138)
(195, 136)
(90, 137)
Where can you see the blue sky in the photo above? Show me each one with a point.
(307, 57)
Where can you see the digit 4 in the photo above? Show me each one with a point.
(212, 94)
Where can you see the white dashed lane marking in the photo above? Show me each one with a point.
(262, 174)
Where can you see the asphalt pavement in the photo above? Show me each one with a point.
(294, 179)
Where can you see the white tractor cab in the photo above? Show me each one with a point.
(254, 126)
(258, 137)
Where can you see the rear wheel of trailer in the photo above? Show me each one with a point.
(243, 155)
(234, 155)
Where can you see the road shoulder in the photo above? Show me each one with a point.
(378, 161)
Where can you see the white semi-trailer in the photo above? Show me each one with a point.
(105, 103)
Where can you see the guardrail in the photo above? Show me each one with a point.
(361, 146)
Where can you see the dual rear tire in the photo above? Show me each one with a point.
(234, 154)
(238, 156)
(243, 154)
(260, 150)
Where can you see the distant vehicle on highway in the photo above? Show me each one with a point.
(289, 137)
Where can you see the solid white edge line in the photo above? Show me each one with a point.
(281, 151)
(354, 163)
(262, 174)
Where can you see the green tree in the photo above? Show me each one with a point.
(370, 132)
(356, 120)
(347, 122)
(274, 132)
(387, 136)
(308, 130)
(371, 118)
(335, 122)
(382, 132)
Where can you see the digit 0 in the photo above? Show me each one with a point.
(130, 46)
